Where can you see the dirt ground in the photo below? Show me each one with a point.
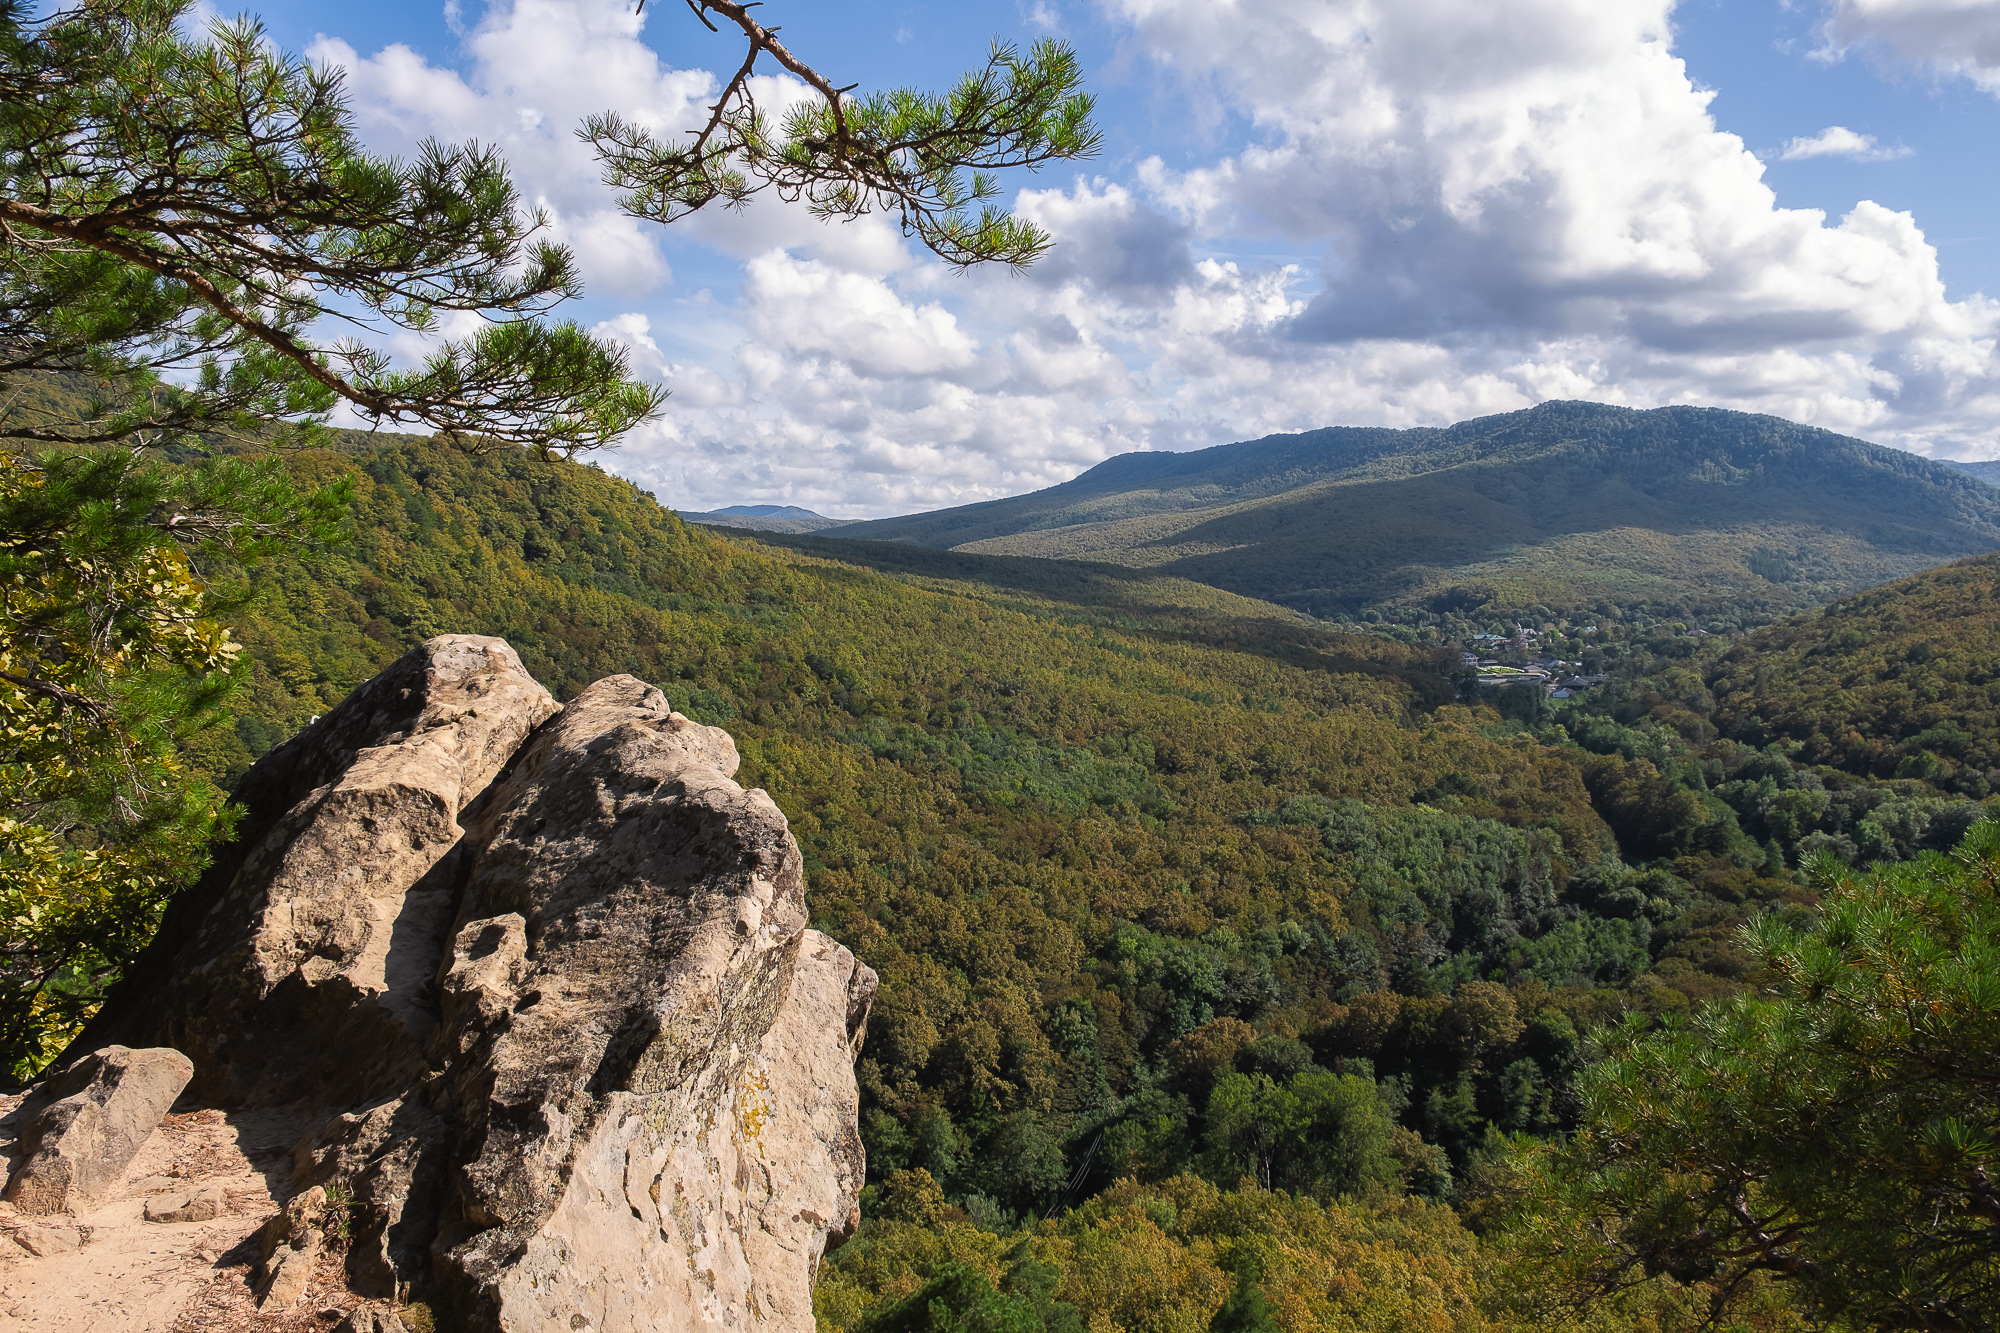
(111, 1271)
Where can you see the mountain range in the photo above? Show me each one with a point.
(765, 518)
(1562, 507)
(1987, 470)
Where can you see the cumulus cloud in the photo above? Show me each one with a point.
(537, 68)
(1442, 208)
(1839, 141)
(1949, 37)
(1530, 199)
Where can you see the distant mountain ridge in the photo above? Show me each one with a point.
(1565, 505)
(1987, 470)
(765, 518)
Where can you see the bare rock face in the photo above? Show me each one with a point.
(325, 927)
(95, 1116)
(582, 1065)
(640, 1036)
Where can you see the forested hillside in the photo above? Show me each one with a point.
(1987, 470)
(1868, 729)
(1108, 849)
(1899, 681)
(1566, 507)
(1163, 884)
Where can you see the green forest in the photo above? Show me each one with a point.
(1169, 891)
(1243, 966)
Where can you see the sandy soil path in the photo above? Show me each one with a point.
(112, 1271)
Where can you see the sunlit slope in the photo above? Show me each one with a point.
(1564, 505)
(1898, 681)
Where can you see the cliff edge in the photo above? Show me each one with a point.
(536, 986)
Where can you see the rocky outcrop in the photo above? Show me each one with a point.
(549, 975)
(326, 922)
(87, 1122)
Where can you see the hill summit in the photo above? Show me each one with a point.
(765, 518)
(1565, 506)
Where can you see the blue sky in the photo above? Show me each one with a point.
(1346, 212)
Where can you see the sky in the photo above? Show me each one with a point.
(1305, 213)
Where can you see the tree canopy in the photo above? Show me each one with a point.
(189, 222)
(1841, 1134)
(928, 157)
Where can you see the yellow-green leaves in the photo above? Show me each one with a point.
(111, 658)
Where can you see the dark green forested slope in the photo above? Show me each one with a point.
(1899, 681)
(1869, 729)
(1108, 851)
(1987, 470)
(1566, 506)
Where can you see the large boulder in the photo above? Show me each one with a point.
(86, 1123)
(578, 1060)
(306, 977)
(639, 1039)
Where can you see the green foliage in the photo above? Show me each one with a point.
(1067, 835)
(1184, 1256)
(904, 150)
(183, 215)
(1898, 681)
(1434, 883)
(1840, 1135)
(961, 1299)
(1321, 1132)
(112, 662)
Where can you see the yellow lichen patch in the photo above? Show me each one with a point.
(753, 1108)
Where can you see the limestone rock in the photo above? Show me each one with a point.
(46, 1242)
(632, 1009)
(371, 1319)
(328, 928)
(547, 976)
(91, 1121)
(286, 1278)
(292, 1242)
(298, 1225)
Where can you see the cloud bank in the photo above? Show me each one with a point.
(1958, 38)
(1441, 208)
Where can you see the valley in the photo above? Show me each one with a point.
(1533, 874)
(1135, 855)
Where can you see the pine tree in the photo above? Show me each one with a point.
(195, 251)
(1841, 1136)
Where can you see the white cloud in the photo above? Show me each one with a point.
(1534, 198)
(1839, 141)
(1444, 208)
(536, 69)
(816, 312)
(1949, 37)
